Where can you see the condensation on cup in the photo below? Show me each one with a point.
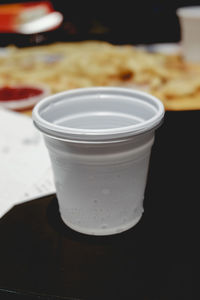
(99, 141)
(189, 18)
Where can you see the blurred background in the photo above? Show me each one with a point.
(135, 22)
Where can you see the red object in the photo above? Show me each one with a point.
(12, 15)
(17, 94)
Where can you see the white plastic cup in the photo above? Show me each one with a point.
(99, 141)
(189, 18)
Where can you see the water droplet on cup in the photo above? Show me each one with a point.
(105, 191)
(124, 220)
(104, 226)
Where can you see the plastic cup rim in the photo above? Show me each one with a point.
(74, 134)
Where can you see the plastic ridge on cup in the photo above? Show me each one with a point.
(66, 132)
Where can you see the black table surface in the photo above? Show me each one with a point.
(41, 258)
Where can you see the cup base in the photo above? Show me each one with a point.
(102, 232)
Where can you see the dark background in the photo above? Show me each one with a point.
(127, 21)
(122, 22)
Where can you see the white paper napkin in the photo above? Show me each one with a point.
(25, 170)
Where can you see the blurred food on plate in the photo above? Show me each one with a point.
(70, 65)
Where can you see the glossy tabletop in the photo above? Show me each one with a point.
(41, 258)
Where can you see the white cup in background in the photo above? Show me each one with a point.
(189, 18)
(99, 141)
